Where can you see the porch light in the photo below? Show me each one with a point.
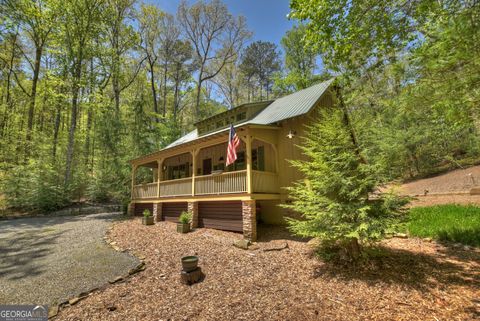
(291, 134)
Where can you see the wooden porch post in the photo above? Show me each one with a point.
(159, 175)
(134, 175)
(194, 168)
(248, 147)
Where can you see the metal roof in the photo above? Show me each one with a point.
(293, 105)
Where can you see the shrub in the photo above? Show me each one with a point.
(146, 213)
(185, 217)
(35, 186)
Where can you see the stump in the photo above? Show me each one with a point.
(190, 278)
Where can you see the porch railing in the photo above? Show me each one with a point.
(145, 190)
(214, 184)
(224, 183)
(176, 187)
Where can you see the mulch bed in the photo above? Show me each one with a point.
(410, 280)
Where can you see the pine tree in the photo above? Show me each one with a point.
(336, 197)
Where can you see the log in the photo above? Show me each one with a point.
(190, 278)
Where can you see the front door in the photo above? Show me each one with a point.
(207, 166)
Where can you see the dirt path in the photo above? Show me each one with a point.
(50, 259)
(460, 180)
(451, 187)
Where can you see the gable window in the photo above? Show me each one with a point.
(241, 116)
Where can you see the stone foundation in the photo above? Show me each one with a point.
(193, 208)
(157, 212)
(249, 220)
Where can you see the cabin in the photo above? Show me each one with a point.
(190, 173)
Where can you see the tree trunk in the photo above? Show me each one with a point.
(73, 119)
(197, 99)
(349, 126)
(55, 132)
(353, 249)
(8, 99)
(154, 89)
(33, 94)
(165, 69)
(175, 96)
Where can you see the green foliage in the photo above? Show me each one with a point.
(334, 199)
(259, 62)
(409, 75)
(146, 213)
(454, 223)
(185, 217)
(300, 60)
(35, 186)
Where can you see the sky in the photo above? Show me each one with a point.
(266, 18)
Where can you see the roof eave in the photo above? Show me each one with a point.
(208, 136)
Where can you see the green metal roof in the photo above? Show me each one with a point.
(290, 106)
(293, 105)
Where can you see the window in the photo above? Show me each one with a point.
(178, 171)
(240, 163)
(241, 116)
(258, 159)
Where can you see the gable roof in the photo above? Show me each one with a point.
(293, 105)
(290, 106)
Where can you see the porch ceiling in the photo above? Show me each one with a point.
(170, 151)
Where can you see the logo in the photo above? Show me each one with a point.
(23, 313)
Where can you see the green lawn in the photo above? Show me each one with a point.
(455, 223)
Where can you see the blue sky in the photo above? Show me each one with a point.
(266, 18)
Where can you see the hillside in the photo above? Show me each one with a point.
(451, 187)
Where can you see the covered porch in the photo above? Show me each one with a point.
(201, 171)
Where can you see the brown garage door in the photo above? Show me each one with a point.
(221, 215)
(140, 207)
(171, 211)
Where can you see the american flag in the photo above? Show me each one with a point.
(233, 143)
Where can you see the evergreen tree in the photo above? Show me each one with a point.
(335, 198)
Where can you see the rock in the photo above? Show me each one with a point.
(138, 268)
(428, 239)
(254, 247)
(242, 244)
(401, 235)
(73, 301)
(111, 307)
(52, 311)
(116, 248)
(276, 247)
(117, 279)
(466, 248)
(83, 295)
(475, 191)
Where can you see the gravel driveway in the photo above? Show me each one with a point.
(47, 260)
